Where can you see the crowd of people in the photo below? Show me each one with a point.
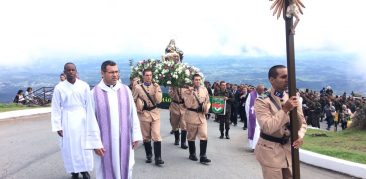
(336, 110)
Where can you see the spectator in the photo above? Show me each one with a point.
(19, 98)
(346, 114)
(29, 96)
(329, 91)
(329, 111)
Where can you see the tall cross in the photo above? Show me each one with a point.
(290, 53)
(290, 9)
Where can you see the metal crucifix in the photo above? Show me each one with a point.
(290, 9)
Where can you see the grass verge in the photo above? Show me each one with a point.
(348, 144)
(13, 107)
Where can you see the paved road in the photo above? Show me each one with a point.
(30, 150)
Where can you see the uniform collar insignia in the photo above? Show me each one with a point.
(279, 94)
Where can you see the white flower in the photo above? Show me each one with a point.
(169, 82)
(187, 72)
(187, 80)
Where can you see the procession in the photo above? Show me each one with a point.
(108, 122)
(208, 89)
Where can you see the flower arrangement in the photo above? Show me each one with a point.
(167, 72)
(136, 71)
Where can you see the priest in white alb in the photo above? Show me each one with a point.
(71, 108)
(116, 132)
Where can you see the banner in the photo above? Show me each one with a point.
(218, 105)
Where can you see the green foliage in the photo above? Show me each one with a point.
(359, 120)
(348, 145)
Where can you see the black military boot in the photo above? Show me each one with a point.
(227, 134)
(183, 139)
(148, 150)
(192, 150)
(75, 175)
(203, 157)
(85, 175)
(157, 152)
(222, 134)
(176, 135)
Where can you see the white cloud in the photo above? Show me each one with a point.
(46, 29)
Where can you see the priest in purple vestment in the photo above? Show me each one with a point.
(116, 132)
(253, 127)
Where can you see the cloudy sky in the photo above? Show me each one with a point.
(36, 30)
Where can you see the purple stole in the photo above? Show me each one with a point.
(104, 121)
(252, 116)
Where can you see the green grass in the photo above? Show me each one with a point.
(13, 107)
(348, 145)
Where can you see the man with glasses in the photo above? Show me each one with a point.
(116, 132)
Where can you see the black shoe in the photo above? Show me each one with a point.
(157, 152)
(85, 175)
(227, 134)
(221, 136)
(148, 150)
(183, 146)
(75, 175)
(204, 160)
(148, 159)
(183, 139)
(193, 157)
(176, 137)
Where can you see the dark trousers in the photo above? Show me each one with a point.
(224, 121)
(314, 120)
(243, 115)
(234, 115)
(329, 121)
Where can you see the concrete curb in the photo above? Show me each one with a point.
(24, 112)
(335, 164)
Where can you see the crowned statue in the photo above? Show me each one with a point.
(173, 53)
